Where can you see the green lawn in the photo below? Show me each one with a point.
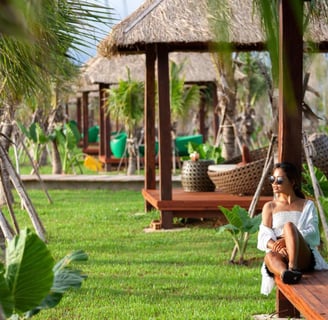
(137, 275)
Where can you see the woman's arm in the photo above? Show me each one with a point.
(266, 236)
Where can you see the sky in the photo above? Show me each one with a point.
(121, 9)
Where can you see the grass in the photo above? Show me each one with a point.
(137, 275)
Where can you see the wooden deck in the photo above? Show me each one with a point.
(196, 204)
(308, 297)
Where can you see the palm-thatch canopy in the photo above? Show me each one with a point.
(183, 24)
(197, 68)
(111, 71)
(187, 25)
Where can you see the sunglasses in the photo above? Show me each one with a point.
(278, 180)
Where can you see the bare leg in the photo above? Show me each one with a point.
(299, 254)
(275, 262)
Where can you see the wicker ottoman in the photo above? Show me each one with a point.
(194, 176)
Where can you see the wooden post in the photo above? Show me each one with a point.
(101, 121)
(108, 151)
(85, 102)
(149, 116)
(290, 82)
(284, 307)
(79, 113)
(105, 129)
(165, 152)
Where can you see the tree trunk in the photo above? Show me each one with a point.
(44, 157)
(57, 167)
(226, 88)
(132, 164)
(6, 130)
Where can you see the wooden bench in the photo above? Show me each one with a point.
(196, 204)
(307, 298)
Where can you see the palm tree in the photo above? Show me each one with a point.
(36, 46)
(125, 104)
(182, 97)
(227, 89)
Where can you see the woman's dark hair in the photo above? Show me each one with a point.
(293, 175)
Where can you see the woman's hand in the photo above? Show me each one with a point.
(280, 247)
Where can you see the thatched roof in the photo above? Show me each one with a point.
(198, 67)
(186, 25)
(110, 71)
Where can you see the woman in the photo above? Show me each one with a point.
(289, 232)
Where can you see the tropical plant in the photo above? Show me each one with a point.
(320, 193)
(29, 280)
(65, 278)
(307, 185)
(67, 137)
(125, 104)
(126, 101)
(182, 97)
(239, 226)
(24, 283)
(36, 50)
(33, 58)
(36, 138)
(206, 151)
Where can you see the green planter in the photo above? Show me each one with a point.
(93, 133)
(117, 144)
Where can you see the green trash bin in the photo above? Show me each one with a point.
(117, 144)
(93, 134)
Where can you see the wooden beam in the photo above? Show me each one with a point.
(290, 81)
(149, 116)
(165, 140)
(101, 122)
(104, 127)
(79, 113)
(85, 102)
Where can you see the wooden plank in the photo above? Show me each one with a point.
(149, 116)
(101, 120)
(164, 118)
(79, 113)
(164, 127)
(308, 296)
(199, 201)
(284, 307)
(85, 114)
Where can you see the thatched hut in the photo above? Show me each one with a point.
(158, 27)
